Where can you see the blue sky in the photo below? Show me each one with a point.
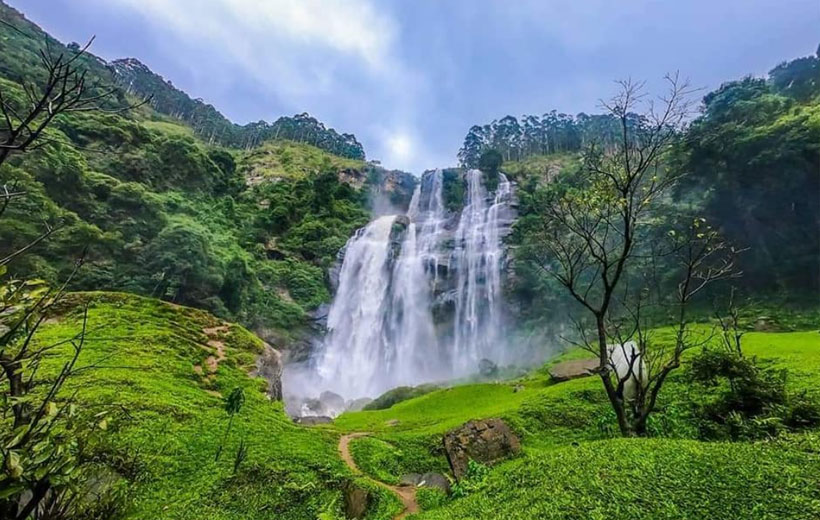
(410, 77)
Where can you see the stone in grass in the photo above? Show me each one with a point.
(427, 480)
(410, 479)
(357, 500)
(313, 420)
(573, 369)
(434, 480)
(486, 441)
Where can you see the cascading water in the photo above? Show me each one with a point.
(478, 257)
(419, 297)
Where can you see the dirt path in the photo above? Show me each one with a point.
(406, 494)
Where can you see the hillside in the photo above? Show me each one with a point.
(162, 400)
(606, 316)
(248, 234)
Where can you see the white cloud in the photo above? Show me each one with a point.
(337, 59)
(352, 26)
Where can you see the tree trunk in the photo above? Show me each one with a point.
(611, 392)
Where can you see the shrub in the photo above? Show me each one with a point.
(742, 400)
(474, 480)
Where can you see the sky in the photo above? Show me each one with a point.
(409, 77)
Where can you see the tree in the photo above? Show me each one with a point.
(597, 239)
(233, 404)
(490, 161)
(41, 439)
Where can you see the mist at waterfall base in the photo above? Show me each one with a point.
(419, 299)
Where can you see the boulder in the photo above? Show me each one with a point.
(434, 480)
(332, 403)
(573, 369)
(312, 420)
(269, 366)
(357, 500)
(487, 368)
(486, 441)
(410, 479)
(428, 480)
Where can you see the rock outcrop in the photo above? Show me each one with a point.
(269, 366)
(486, 441)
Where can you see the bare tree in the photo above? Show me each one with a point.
(39, 451)
(598, 226)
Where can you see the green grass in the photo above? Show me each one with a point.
(571, 452)
(650, 478)
(290, 160)
(169, 127)
(167, 420)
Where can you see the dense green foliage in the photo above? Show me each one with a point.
(749, 165)
(164, 215)
(752, 166)
(397, 395)
(536, 135)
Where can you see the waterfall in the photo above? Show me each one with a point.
(478, 256)
(354, 350)
(419, 296)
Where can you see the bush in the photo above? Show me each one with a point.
(742, 400)
(474, 480)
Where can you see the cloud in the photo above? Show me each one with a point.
(295, 40)
(338, 59)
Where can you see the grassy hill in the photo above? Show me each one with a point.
(164, 407)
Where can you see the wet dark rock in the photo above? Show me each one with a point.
(486, 441)
(487, 368)
(332, 402)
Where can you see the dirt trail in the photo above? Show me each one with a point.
(406, 494)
